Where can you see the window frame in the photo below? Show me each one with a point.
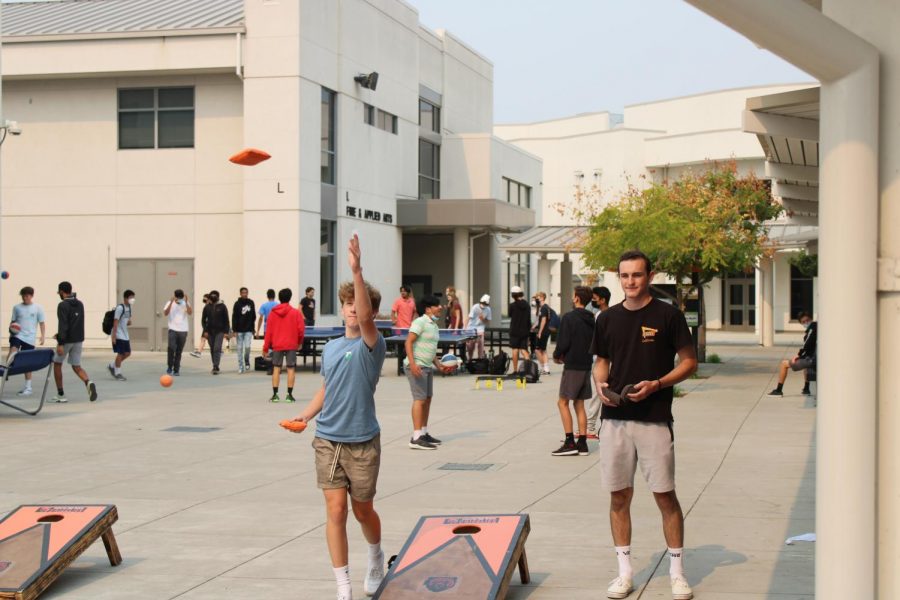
(435, 115)
(435, 179)
(328, 152)
(155, 111)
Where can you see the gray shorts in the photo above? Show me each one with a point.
(625, 444)
(73, 351)
(279, 357)
(352, 465)
(422, 387)
(575, 385)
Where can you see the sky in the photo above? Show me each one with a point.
(554, 58)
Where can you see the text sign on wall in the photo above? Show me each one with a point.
(370, 215)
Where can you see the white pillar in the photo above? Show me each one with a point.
(495, 281)
(544, 267)
(565, 285)
(766, 313)
(461, 265)
(847, 442)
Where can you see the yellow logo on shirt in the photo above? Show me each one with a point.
(648, 334)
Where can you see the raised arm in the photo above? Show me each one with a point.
(364, 314)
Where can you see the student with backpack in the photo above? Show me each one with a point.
(118, 331)
(542, 332)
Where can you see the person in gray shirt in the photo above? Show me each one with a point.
(121, 343)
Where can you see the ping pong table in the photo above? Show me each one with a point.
(447, 338)
(316, 337)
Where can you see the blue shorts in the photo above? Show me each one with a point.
(122, 347)
(15, 342)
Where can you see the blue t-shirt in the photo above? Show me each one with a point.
(265, 309)
(351, 373)
(27, 316)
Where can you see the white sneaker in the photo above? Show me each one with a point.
(680, 588)
(24, 392)
(374, 577)
(60, 399)
(619, 587)
(348, 595)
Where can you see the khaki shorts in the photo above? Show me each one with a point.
(352, 465)
(625, 444)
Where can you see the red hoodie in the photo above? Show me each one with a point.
(284, 329)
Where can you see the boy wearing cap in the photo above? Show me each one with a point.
(479, 317)
(519, 325)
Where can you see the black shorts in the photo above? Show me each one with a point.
(541, 342)
(15, 342)
(517, 341)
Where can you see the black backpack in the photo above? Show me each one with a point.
(108, 318)
(553, 321)
(530, 370)
(478, 366)
(499, 363)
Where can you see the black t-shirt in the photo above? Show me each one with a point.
(641, 346)
(519, 318)
(308, 307)
(543, 314)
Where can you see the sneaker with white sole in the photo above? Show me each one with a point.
(92, 391)
(680, 588)
(619, 587)
(195, 354)
(61, 399)
(374, 577)
(420, 443)
(24, 392)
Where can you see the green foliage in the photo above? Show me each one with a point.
(713, 358)
(807, 264)
(678, 392)
(705, 223)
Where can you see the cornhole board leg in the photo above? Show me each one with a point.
(38, 542)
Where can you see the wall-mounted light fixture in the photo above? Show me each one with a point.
(9, 127)
(367, 81)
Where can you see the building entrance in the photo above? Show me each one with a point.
(153, 281)
(739, 298)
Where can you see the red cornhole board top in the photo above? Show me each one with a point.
(34, 537)
(458, 556)
(249, 157)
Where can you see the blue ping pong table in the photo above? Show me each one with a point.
(314, 338)
(447, 338)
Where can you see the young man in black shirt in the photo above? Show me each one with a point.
(308, 307)
(635, 343)
(805, 359)
(519, 325)
(573, 349)
(216, 326)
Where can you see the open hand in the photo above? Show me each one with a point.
(354, 254)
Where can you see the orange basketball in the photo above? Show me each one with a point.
(165, 380)
(295, 426)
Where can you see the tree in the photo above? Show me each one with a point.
(700, 226)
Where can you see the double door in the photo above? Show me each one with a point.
(153, 282)
(740, 304)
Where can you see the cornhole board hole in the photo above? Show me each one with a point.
(459, 556)
(37, 542)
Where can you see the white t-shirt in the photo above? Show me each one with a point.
(477, 316)
(178, 317)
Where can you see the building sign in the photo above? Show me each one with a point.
(370, 215)
(692, 318)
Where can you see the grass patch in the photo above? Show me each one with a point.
(678, 392)
(713, 358)
(697, 375)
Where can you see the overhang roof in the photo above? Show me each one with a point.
(786, 235)
(80, 17)
(547, 239)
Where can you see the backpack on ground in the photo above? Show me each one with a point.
(108, 318)
(530, 370)
(553, 321)
(478, 366)
(499, 363)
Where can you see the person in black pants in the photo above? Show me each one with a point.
(216, 327)
(519, 326)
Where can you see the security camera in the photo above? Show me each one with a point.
(368, 81)
(13, 128)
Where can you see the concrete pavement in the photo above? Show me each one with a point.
(234, 511)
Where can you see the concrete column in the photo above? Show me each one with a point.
(495, 285)
(461, 265)
(544, 267)
(847, 440)
(565, 285)
(766, 313)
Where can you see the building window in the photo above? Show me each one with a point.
(518, 272)
(380, 118)
(516, 193)
(429, 116)
(327, 276)
(801, 293)
(156, 118)
(328, 118)
(429, 170)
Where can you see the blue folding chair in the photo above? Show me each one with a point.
(27, 361)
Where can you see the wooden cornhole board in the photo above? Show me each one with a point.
(38, 541)
(459, 556)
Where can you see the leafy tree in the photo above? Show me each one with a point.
(700, 226)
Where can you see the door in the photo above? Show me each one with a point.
(153, 281)
(740, 304)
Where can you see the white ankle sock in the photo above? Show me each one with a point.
(675, 565)
(342, 577)
(375, 552)
(623, 554)
(417, 433)
(425, 430)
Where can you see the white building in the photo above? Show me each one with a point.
(655, 141)
(130, 110)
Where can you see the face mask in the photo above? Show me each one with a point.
(435, 318)
(179, 301)
(131, 301)
(595, 304)
(213, 299)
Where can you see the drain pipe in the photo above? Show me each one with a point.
(847, 440)
(239, 56)
(472, 294)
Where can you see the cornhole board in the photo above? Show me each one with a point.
(470, 557)
(38, 541)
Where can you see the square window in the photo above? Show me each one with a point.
(136, 130)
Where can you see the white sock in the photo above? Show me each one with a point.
(375, 554)
(27, 384)
(675, 565)
(417, 433)
(425, 430)
(342, 577)
(623, 554)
